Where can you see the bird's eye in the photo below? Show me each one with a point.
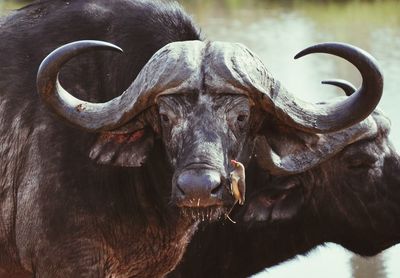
(241, 118)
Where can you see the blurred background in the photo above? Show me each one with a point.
(276, 31)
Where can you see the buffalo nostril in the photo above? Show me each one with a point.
(216, 189)
(180, 189)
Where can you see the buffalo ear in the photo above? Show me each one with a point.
(275, 204)
(289, 206)
(260, 208)
(123, 149)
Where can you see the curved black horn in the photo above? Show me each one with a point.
(330, 117)
(346, 86)
(87, 115)
(172, 69)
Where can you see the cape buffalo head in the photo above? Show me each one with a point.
(209, 103)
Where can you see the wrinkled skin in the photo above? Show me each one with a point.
(359, 212)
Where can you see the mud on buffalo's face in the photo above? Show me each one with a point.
(211, 102)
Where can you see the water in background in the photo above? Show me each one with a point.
(276, 31)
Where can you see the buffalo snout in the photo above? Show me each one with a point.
(199, 188)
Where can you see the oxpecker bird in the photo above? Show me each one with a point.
(238, 184)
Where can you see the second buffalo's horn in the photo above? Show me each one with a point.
(335, 116)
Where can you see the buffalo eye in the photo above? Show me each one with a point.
(359, 164)
(164, 118)
(361, 161)
(241, 118)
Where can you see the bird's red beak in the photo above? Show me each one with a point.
(233, 162)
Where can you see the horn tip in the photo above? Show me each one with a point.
(117, 48)
(302, 53)
(93, 44)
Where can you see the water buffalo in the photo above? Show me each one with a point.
(141, 158)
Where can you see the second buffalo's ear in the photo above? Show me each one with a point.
(123, 149)
(265, 207)
(279, 201)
